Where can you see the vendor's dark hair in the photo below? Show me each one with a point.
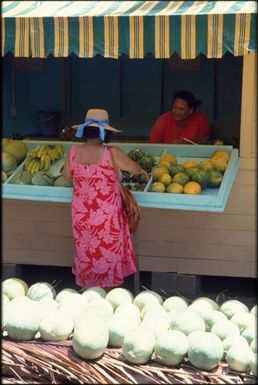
(91, 132)
(188, 97)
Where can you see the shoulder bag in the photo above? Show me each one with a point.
(130, 205)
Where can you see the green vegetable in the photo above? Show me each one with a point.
(42, 178)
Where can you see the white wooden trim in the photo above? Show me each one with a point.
(248, 107)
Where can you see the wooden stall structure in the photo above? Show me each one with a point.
(180, 241)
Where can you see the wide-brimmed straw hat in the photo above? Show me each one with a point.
(95, 118)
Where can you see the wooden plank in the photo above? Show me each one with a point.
(229, 269)
(38, 257)
(22, 227)
(197, 251)
(47, 244)
(193, 236)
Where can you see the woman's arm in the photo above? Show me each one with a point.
(66, 170)
(156, 135)
(125, 163)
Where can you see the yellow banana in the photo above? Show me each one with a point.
(47, 162)
(26, 164)
(30, 166)
(42, 163)
(40, 150)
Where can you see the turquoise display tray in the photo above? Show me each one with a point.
(210, 200)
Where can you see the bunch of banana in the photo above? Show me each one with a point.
(41, 157)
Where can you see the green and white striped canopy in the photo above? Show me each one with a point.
(135, 28)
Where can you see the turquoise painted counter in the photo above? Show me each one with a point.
(210, 200)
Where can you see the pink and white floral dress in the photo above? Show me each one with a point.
(103, 252)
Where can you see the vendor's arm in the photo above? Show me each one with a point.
(66, 171)
(125, 163)
(156, 135)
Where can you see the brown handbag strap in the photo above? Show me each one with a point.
(114, 163)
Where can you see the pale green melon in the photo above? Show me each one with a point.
(64, 292)
(74, 305)
(205, 350)
(22, 322)
(224, 329)
(254, 310)
(207, 301)
(128, 310)
(49, 303)
(175, 303)
(233, 340)
(41, 289)
(91, 296)
(118, 326)
(170, 347)
(138, 345)
(147, 297)
(186, 321)
(56, 326)
(239, 358)
(9, 163)
(23, 299)
(90, 337)
(213, 317)
(233, 306)
(244, 320)
(249, 334)
(153, 310)
(203, 309)
(101, 307)
(253, 345)
(14, 287)
(5, 299)
(96, 289)
(253, 365)
(156, 324)
(119, 296)
(17, 149)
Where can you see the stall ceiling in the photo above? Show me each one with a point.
(134, 28)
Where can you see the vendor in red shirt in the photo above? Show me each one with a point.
(181, 122)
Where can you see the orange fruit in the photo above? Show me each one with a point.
(165, 163)
(158, 171)
(169, 158)
(221, 154)
(219, 163)
(165, 179)
(158, 187)
(175, 188)
(190, 163)
(192, 188)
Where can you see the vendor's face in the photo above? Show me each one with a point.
(180, 110)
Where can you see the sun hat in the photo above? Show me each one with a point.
(95, 118)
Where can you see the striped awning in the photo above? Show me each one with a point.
(135, 28)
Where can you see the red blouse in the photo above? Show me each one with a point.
(166, 130)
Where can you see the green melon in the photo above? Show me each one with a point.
(224, 329)
(128, 310)
(213, 317)
(233, 306)
(100, 307)
(118, 326)
(147, 297)
(233, 340)
(175, 302)
(170, 347)
(41, 289)
(253, 346)
(254, 310)
(14, 287)
(56, 326)
(90, 337)
(249, 334)
(244, 320)
(156, 324)
(119, 296)
(207, 301)
(205, 350)
(138, 345)
(154, 309)
(239, 358)
(186, 321)
(64, 292)
(253, 365)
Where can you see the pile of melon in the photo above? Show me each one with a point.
(190, 177)
(13, 153)
(144, 327)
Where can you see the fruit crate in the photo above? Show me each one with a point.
(210, 199)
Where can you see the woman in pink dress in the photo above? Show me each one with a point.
(103, 252)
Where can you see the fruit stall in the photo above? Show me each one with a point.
(211, 233)
(198, 212)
